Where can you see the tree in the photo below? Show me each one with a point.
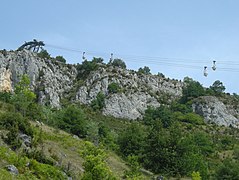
(23, 96)
(162, 113)
(73, 120)
(192, 89)
(170, 151)
(86, 68)
(97, 60)
(144, 70)
(61, 59)
(119, 63)
(94, 165)
(44, 54)
(131, 141)
(218, 87)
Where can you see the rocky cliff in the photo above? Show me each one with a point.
(50, 79)
(137, 91)
(215, 111)
(53, 81)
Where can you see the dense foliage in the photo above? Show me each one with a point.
(118, 63)
(44, 54)
(60, 59)
(144, 70)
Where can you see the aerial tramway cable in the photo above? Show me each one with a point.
(166, 61)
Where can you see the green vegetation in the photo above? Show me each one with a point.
(23, 97)
(113, 88)
(217, 87)
(86, 67)
(72, 120)
(144, 70)
(44, 54)
(118, 63)
(99, 102)
(60, 59)
(171, 140)
(95, 164)
(193, 89)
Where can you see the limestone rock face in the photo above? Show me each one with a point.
(5, 80)
(136, 93)
(49, 79)
(52, 81)
(214, 111)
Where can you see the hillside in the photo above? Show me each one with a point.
(54, 82)
(52, 154)
(101, 121)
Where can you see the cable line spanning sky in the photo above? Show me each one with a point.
(176, 38)
(165, 61)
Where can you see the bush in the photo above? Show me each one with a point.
(119, 63)
(191, 118)
(162, 113)
(217, 87)
(113, 88)
(44, 54)
(95, 165)
(73, 120)
(144, 70)
(97, 60)
(11, 119)
(228, 170)
(193, 89)
(131, 141)
(99, 102)
(85, 68)
(5, 96)
(61, 59)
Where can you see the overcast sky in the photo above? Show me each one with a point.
(175, 37)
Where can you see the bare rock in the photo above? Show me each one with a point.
(214, 111)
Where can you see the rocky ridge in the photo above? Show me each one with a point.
(53, 81)
(214, 111)
(137, 91)
(49, 79)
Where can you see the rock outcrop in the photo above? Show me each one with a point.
(5, 80)
(52, 81)
(49, 79)
(136, 93)
(214, 111)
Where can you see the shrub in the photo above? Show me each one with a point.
(85, 68)
(44, 54)
(61, 59)
(73, 120)
(95, 165)
(99, 102)
(144, 70)
(191, 118)
(217, 87)
(193, 89)
(97, 60)
(119, 63)
(113, 88)
(228, 170)
(5, 96)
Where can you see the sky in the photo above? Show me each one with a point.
(174, 37)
